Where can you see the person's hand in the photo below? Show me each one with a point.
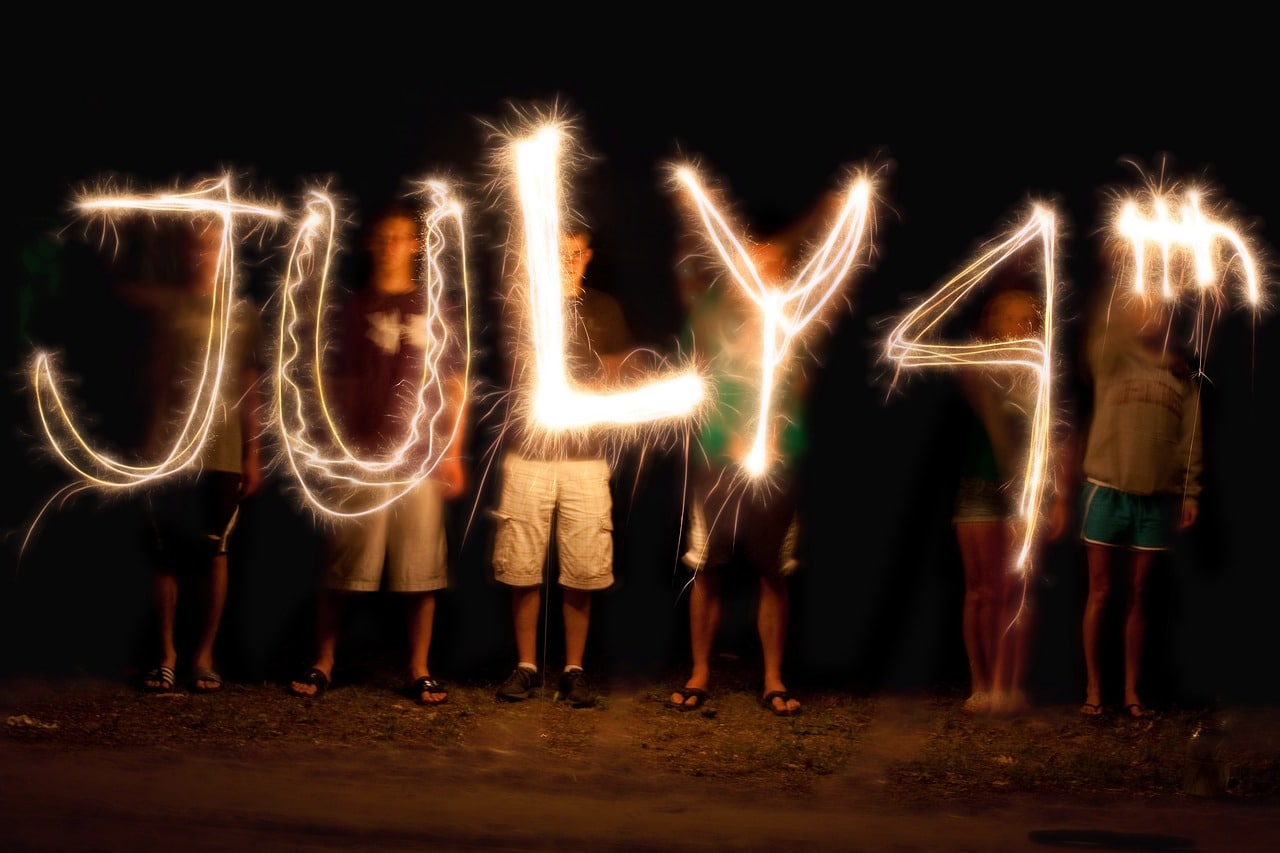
(1190, 512)
(1059, 518)
(452, 476)
(250, 476)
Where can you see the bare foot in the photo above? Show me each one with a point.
(978, 703)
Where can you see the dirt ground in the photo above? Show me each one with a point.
(94, 764)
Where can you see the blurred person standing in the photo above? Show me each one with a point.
(998, 610)
(192, 514)
(733, 520)
(1142, 463)
(559, 491)
(401, 548)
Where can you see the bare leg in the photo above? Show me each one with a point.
(1099, 559)
(330, 608)
(982, 555)
(772, 612)
(215, 600)
(577, 620)
(1015, 624)
(422, 615)
(526, 602)
(1135, 625)
(165, 588)
(1009, 674)
(704, 623)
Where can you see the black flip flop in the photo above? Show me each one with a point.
(691, 698)
(314, 677)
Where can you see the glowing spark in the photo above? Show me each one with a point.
(95, 467)
(334, 477)
(557, 406)
(911, 345)
(786, 308)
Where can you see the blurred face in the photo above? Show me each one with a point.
(393, 243)
(206, 249)
(1145, 316)
(1012, 315)
(770, 261)
(575, 254)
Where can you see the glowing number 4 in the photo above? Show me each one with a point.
(912, 344)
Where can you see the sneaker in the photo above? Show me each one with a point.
(574, 690)
(520, 684)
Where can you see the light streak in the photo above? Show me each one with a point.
(1173, 238)
(557, 406)
(912, 344)
(67, 440)
(786, 308)
(1210, 243)
(336, 479)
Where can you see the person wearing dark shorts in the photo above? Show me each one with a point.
(736, 520)
(191, 515)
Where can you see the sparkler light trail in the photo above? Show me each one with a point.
(334, 477)
(1210, 243)
(785, 308)
(912, 344)
(1192, 251)
(1176, 238)
(68, 441)
(556, 407)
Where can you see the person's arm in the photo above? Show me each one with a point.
(452, 469)
(1063, 485)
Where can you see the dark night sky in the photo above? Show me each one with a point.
(967, 132)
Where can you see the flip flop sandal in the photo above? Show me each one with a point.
(420, 688)
(691, 698)
(316, 678)
(159, 680)
(767, 701)
(206, 681)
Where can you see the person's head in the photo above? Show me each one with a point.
(1010, 313)
(776, 239)
(199, 249)
(575, 254)
(770, 259)
(1143, 314)
(392, 241)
